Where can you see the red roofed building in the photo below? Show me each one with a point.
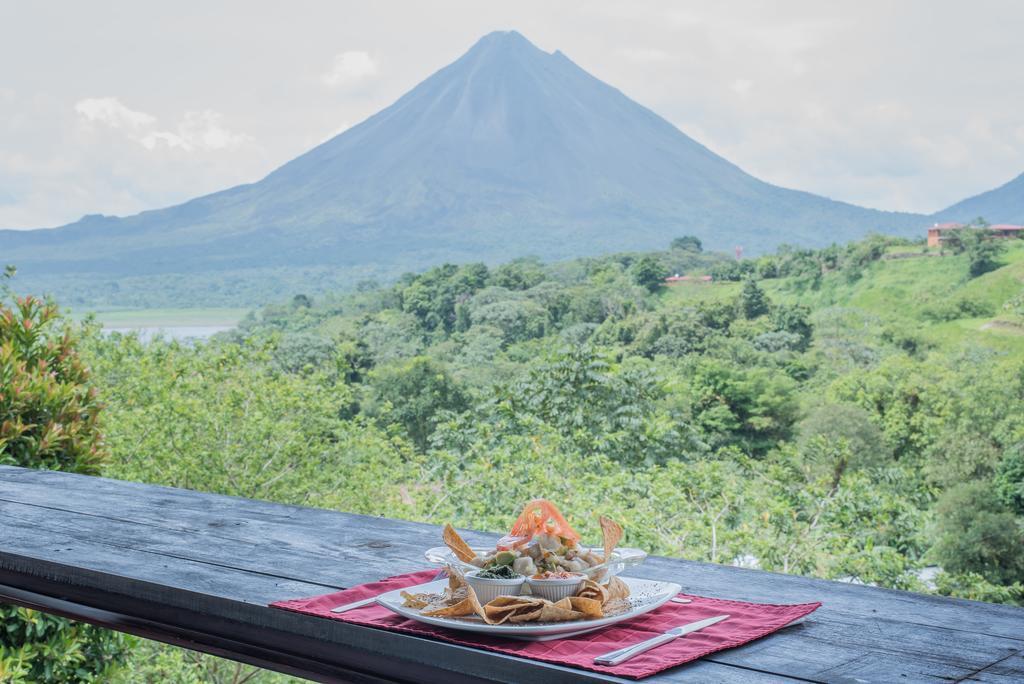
(936, 234)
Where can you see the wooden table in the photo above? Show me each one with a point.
(198, 570)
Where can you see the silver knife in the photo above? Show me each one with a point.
(624, 654)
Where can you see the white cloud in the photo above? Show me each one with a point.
(111, 112)
(197, 131)
(646, 55)
(742, 86)
(349, 67)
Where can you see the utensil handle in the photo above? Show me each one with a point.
(624, 654)
(354, 605)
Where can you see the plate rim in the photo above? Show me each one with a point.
(525, 630)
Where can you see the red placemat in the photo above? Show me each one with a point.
(747, 621)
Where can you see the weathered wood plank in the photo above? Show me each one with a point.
(309, 534)
(1004, 671)
(808, 651)
(227, 601)
(861, 633)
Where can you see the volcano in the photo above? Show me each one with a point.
(507, 151)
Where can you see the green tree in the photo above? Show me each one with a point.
(518, 319)
(687, 243)
(978, 533)
(850, 423)
(648, 273)
(983, 250)
(49, 418)
(520, 274)
(752, 301)
(1009, 479)
(415, 394)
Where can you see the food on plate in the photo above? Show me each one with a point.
(593, 591)
(541, 541)
(611, 531)
(457, 544)
(460, 600)
(566, 581)
(617, 589)
(498, 572)
(457, 600)
(490, 584)
(591, 608)
(555, 586)
(561, 574)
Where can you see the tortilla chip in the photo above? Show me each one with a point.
(457, 544)
(593, 590)
(458, 603)
(557, 612)
(512, 609)
(617, 589)
(463, 607)
(531, 615)
(418, 600)
(612, 532)
(456, 578)
(588, 607)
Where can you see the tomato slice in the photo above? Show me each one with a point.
(540, 515)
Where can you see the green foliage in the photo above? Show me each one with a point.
(48, 413)
(687, 243)
(983, 251)
(980, 245)
(49, 418)
(836, 413)
(1009, 479)
(648, 273)
(36, 648)
(753, 301)
(414, 394)
(521, 274)
(432, 297)
(850, 424)
(978, 534)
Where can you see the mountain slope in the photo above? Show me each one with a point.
(507, 151)
(1004, 204)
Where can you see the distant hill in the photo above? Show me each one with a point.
(507, 151)
(1005, 204)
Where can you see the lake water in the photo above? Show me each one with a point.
(178, 332)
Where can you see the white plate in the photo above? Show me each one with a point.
(622, 558)
(644, 596)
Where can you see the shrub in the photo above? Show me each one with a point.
(48, 419)
(648, 273)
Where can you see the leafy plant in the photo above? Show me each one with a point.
(49, 418)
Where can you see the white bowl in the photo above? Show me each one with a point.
(488, 589)
(555, 589)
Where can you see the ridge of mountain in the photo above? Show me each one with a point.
(1004, 204)
(505, 152)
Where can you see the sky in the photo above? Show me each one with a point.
(119, 107)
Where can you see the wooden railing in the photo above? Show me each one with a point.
(198, 570)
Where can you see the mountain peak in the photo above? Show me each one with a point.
(509, 150)
(506, 39)
(499, 43)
